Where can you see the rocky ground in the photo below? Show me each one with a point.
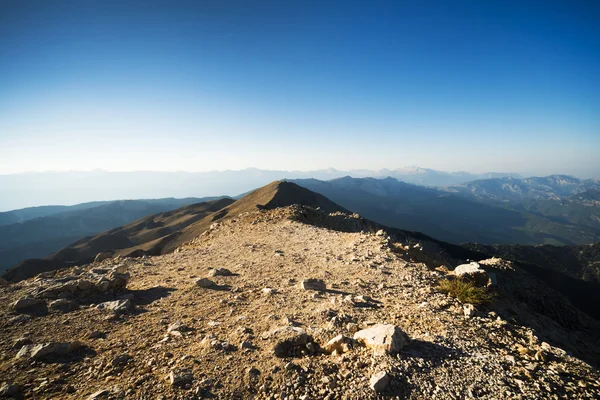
(249, 310)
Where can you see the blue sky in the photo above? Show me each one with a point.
(211, 85)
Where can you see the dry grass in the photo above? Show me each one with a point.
(465, 291)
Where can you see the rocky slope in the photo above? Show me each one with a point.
(253, 308)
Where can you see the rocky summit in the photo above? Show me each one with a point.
(293, 303)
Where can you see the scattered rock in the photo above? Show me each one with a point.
(313, 284)
(28, 303)
(288, 341)
(379, 381)
(100, 394)
(20, 342)
(382, 338)
(474, 273)
(205, 283)
(181, 376)
(116, 306)
(220, 272)
(43, 350)
(340, 344)
(469, 310)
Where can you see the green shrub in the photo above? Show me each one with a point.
(465, 291)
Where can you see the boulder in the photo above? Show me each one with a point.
(3, 282)
(220, 272)
(38, 351)
(288, 340)
(313, 284)
(28, 303)
(473, 273)
(205, 283)
(379, 381)
(117, 306)
(382, 338)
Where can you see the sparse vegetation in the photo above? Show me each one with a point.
(465, 291)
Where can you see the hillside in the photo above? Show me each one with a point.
(162, 233)
(454, 217)
(63, 225)
(256, 328)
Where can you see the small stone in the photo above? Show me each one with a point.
(469, 310)
(340, 344)
(121, 360)
(20, 342)
(100, 394)
(313, 284)
(379, 381)
(117, 306)
(220, 272)
(27, 303)
(205, 283)
(288, 339)
(181, 376)
(47, 349)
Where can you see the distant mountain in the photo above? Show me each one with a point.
(553, 187)
(42, 188)
(62, 225)
(25, 214)
(164, 232)
(451, 217)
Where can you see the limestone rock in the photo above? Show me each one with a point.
(469, 310)
(340, 344)
(205, 283)
(181, 376)
(379, 381)
(382, 338)
(100, 394)
(474, 273)
(27, 303)
(288, 340)
(220, 272)
(37, 351)
(117, 306)
(313, 284)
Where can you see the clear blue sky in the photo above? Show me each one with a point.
(202, 85)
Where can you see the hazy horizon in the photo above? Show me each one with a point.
(521, 174)
(204, 86)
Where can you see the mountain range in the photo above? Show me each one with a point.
(73, 187)
(474, 212)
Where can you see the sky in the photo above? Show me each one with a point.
(507, 86)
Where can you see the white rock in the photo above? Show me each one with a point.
(382, 338)
(379, 381)
(469, 310)
(117, 306)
